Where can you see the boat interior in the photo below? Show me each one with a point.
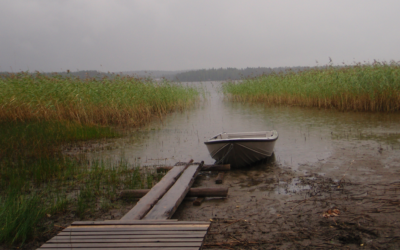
(260, 134)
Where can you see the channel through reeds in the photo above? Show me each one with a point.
(362, 87)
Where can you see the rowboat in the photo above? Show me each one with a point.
(241, 149)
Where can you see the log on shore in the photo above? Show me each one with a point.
(193, 192)
(198, 201)
(225, 167)
(220, 178)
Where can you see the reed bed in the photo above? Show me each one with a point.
(369, 87)
(41, 113)
(118, 101)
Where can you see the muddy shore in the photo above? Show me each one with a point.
(349, 200)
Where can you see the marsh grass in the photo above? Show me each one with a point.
(39, 114)
(74, 188)
(369, 87)
(119, 101)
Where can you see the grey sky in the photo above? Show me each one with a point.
(119, 35)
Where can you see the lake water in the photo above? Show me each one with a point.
(306, 135)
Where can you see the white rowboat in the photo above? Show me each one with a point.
(241, 149)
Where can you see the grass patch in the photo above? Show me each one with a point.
(369, 87)
(39, 138)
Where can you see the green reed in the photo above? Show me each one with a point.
(117, 101)
(368, 87)
(39, 115)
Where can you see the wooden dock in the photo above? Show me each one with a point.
(147, 225)
(145, 235)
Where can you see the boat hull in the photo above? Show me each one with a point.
(241, 152)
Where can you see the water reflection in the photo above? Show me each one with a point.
(306, 136)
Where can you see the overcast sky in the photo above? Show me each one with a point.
(120, 35)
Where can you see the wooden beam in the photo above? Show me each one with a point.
(220, 178)
(168, 204)
(121, 245)
(193, 192)
(136, 222)
(198, 201)
(150, 199)
(225, 167)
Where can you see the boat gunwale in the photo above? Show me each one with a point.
(241, 140)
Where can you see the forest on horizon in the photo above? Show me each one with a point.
(213, 74)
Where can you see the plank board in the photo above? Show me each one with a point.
(132, 248)
(104, 240)
(167, 205)
(138, 222)
(119, 245)
(188, 235)
(139, 236)
(151, 198)
(128, 233)
(134, 228)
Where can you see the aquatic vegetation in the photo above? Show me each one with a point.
(368, 87)
(41, 113)
(118, 101)
(73, 188)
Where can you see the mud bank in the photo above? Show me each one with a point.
(349, 200)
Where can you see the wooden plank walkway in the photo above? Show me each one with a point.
(167, 205)
(147, 225)
(131, 235)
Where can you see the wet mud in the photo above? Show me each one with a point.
(348, 201)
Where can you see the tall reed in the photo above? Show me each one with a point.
(117, 101)
(368, 87)
(40, 113)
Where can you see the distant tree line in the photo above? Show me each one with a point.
(220, 74)
(83, 74)
(223, 74)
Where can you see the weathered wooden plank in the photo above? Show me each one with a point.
(225, 167)
(220, 178)
(74, 240)
(117, 236)
(167, 205)
(138, 222)
(168, 225)
(135, 228)
(147, 202)
(193, 192)
(133, 248)
(150, 232)
(198, 201)
(121, 245)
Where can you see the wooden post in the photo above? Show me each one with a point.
(220, 178)
(198, 201)
(193, 192)
(151, 198)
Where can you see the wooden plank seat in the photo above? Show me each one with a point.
(131, 235)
